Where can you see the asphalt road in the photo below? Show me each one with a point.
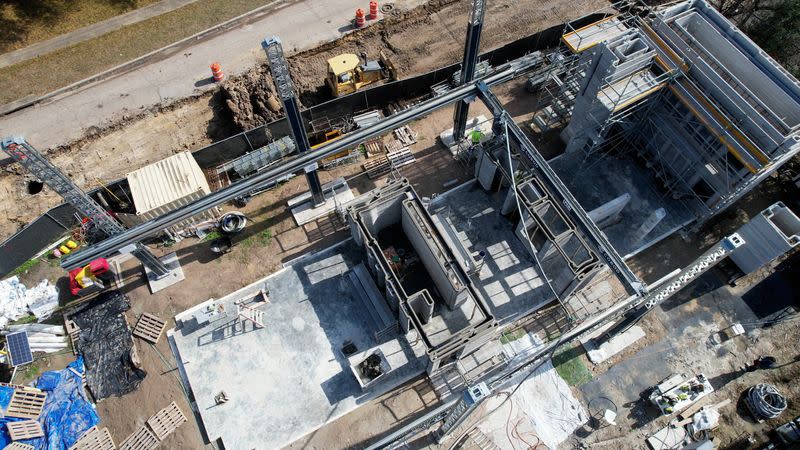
(301, 24)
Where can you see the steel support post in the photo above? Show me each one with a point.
(285, 87)
(471, 52)
(143, 254)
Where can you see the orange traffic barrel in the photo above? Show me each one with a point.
(360, 19)
(373, 10)
(216, 72)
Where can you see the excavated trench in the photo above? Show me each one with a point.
(250, 98)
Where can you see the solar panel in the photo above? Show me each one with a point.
(18, 347)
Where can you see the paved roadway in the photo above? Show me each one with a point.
(301, 24)
(92, 31)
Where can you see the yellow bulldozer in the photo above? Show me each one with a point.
(347, 73)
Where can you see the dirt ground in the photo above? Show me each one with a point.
(420, 40)
(689, 349)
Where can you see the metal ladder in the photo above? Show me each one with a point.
(47, 173)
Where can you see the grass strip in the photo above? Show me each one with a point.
(570, 366)
(33, 21)
(61, 68)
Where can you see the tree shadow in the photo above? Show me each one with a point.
(37, 10)
(20, 15)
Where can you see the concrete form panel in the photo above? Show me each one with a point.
(767, 236)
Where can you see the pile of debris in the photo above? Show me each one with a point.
(16, 300)
(251, 99)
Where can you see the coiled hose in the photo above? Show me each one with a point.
(765, 401)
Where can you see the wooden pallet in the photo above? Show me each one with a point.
(149, 327)
(24, 429)
(377, 166)
(74, 333)
(401, 157)
(394, 146)
(374, 147)
(18, 446)
(405, 135)
(141, 439)
(95, 439)
(26, 404)
(166, 421)
(21, 387)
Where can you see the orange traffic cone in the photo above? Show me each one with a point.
(216, 72)
(360, 19)
(373, 10)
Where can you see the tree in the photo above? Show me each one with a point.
(777, 31)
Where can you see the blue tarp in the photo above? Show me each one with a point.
(67, 413)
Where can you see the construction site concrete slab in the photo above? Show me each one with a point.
(337, 194)
(599, 354)
(584, 175)
(175, 274)
(508, 280)
(290, 377)
(541, 406)
(480, 123)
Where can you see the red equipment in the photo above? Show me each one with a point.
(91, 278)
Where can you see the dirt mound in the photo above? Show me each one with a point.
(251, 98)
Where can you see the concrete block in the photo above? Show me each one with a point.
(611, 347)
(175, 274)
(337, 193)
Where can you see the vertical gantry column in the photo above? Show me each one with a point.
(55, 179)
(471, 51)
(285, 87)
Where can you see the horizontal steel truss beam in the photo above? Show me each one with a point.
(111, 245)
(561, 193)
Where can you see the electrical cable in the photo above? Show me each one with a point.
(523, 380)
(765, 401)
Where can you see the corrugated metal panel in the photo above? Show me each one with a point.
(135, 219)
(160, 187)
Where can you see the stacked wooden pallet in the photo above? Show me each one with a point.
(155, 430)
(374, 147)
(377, 167)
